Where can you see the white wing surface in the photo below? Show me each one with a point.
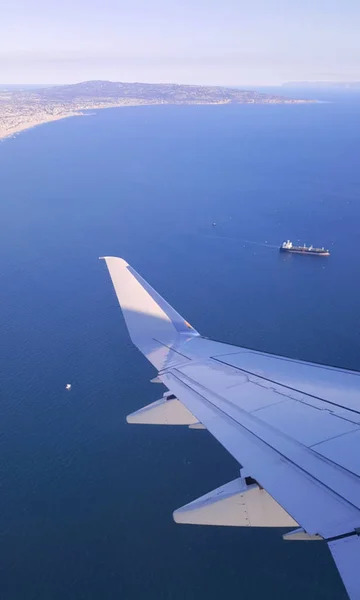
(293, 426)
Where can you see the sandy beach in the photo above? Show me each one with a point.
(13, 128)
(15, 120)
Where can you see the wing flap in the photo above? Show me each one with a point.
(235, 504)
(163, 412)
(315, 506)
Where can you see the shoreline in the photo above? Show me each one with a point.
(14, 131)
(25, 125)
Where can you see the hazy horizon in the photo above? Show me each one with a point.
(202, 42)
(329, 82)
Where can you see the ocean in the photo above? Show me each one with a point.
(87, 500)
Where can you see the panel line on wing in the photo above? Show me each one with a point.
(286, 386)
(172, 350)
(334, 437)
(324, 500)
(292, 445)
(280, 358)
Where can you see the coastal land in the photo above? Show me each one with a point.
(22, 109)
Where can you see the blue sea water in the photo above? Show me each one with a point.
(86, 500)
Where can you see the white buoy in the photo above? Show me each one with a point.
(68, 386)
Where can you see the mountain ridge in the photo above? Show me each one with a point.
(21, 109)
(173, 93)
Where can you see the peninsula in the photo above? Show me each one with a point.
(23, 109)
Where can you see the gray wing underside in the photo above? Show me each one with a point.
(294, 426)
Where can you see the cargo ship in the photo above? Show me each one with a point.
(288, 247)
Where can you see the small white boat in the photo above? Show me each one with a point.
(68, 386)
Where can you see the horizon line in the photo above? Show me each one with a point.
(258, 84)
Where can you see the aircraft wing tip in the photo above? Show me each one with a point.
(117, 259)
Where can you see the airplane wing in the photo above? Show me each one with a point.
(293, 426)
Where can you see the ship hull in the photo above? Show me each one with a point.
(305, 251)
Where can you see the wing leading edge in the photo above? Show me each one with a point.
(294, 426)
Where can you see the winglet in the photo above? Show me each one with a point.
(147, 315)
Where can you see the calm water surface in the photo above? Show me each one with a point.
(86, 500)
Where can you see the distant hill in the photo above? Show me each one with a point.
(26, 107)
(154, 93)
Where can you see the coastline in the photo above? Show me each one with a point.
(14, 130)
(23, 126)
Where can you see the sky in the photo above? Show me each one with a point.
(218, 42)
